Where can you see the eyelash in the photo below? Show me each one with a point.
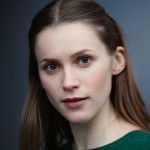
(77, 61)
(51, 71)
(86, 64)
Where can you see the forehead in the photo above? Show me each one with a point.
(69, 36)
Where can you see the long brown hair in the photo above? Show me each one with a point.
(42, 127)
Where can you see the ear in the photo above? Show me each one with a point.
(119, 61)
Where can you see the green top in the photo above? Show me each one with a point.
(134, 140)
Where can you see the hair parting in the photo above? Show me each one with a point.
(42, 127)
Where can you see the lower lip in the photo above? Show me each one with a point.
(76, 104)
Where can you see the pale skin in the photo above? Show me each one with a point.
(74, 64)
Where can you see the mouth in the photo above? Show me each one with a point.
(75, 102)
(75, 99)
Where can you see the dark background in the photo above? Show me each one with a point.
(15, 18)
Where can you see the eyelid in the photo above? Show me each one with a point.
(49, 61)
(82, 56)
(51, 71)
(46, 63)
(82, 64)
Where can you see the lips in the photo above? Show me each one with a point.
(75, 99)
(76, 102)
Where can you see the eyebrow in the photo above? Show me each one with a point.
(49, 60)
(77, 54)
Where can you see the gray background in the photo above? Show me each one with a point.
(15, 18)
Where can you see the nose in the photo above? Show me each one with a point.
(70, 81)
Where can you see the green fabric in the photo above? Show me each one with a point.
(135, 140)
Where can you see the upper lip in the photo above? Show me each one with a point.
(74, 99)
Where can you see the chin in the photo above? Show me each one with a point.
(78, 119)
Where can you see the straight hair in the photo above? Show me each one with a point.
(42, 127)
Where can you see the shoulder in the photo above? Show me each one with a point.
(139, 135)
(137, 140)
(134, 140)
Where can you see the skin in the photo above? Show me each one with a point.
(74, 63)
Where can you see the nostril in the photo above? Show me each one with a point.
(70, 85)
(68, 88)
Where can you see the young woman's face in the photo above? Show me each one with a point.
(75, 70)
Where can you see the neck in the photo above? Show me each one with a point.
(104, 128)
(95, 132)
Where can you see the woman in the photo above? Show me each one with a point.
(82, 94)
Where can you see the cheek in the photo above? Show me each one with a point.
(101, 80)
(50, 85)
(51, 90)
